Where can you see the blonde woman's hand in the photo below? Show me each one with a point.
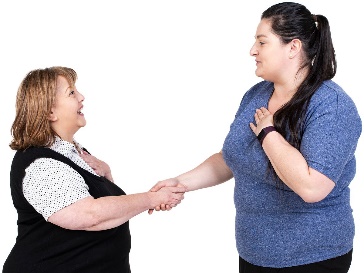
(100, 167)
(162, 185)
(170, 197)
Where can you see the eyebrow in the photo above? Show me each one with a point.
(260, 36)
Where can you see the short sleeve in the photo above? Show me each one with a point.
(50, 185)
(331, 134)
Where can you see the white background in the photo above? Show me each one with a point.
(162, 81)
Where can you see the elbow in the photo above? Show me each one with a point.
(81, 215)
(89, 223)
(312, 196)
(87, 220)
(90, 219)
(311, 199)
(317, 190)
(83, 222)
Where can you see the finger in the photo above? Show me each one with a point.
(85, 155)
(157, 186)
(100, 173)
(150, 211)
(256, 118)
(262, 108)
(260, 114)
(253, 127)
(181, 196)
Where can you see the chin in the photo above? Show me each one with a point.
(83, 124)
(261, 75)
(258, 72)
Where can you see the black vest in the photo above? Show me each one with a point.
(44, 247)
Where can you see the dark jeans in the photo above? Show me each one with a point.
(339, 264)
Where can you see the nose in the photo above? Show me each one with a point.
(81, 98)
(253, 50)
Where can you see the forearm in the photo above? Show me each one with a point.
(293, 170)
(112, 211)
(106, 212)
(211, 172)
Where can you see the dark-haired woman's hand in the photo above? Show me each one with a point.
(263, 118)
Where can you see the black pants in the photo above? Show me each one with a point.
(339, 264)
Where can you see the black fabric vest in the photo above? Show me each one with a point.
(44, 247)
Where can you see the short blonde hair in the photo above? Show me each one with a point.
(34, 101)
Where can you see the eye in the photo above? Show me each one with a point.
(261, 43)
(72, 92)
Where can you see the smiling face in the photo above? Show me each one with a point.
(271, 55)
(66, 116)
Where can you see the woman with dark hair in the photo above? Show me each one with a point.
(291, 151)
(72, 217)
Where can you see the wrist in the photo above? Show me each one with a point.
(264, 132)
(152, 198)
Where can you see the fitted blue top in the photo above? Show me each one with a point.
(274, 226)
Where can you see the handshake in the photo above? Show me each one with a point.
(166, 194)
(163, 196)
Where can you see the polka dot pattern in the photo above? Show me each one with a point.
(50, 185)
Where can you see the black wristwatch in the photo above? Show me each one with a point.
(264, 132)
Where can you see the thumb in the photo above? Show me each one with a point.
(158, 186)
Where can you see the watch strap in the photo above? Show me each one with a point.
(264, 132)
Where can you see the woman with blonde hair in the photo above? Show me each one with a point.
(71, 216)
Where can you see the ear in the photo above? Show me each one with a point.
(295, 48)
(52, 116)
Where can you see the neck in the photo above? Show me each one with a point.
(64, 134)
(279, 98)
(286, 87)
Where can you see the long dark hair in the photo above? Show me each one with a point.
(294, 21)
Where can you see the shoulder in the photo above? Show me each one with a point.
(332, 94)
(24, 158)
(40, 157)
(332, 101)
(46, 160)
(332, 97)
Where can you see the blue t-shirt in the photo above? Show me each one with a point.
(274, 226)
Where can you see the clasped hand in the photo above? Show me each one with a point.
(165, 184)
(263, 118)
(170, 192)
